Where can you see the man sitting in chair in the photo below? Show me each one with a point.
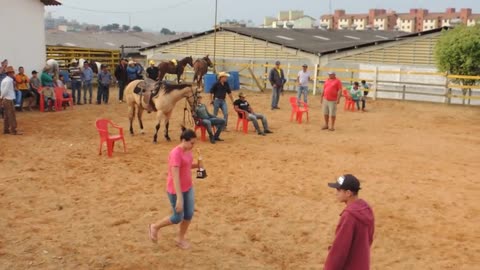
(208, 120)
(242, 105)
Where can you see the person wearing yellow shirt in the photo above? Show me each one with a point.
(23, 85)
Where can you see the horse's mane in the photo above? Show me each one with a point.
(168, 88)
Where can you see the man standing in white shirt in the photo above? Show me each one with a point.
(303, 78)
(7, 95)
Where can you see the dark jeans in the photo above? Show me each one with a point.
(121, 88)
(102, 94)
(364, 100)
(218, 123)
(76, 90)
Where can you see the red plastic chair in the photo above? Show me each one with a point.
(298, 109)
(42, 101)
(60, 99)
(243, 120)
(349, 103)
(102, 127)
(203, 130)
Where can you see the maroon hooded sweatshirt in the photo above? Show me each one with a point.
(354, 236)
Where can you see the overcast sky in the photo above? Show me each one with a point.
(199, 15)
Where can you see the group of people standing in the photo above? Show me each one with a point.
(218, 94)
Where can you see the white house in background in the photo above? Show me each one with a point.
(26, 47)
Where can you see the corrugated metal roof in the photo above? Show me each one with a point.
(51, 2)
(106, 40)
(313, 41)
(306, 39)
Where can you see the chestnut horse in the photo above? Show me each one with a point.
(170, 68)
(200, 68)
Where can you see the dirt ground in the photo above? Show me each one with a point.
(265, 203)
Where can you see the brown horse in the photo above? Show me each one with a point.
(170, 68)
(164, 102)
(200, 67)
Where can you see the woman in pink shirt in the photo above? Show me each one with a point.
(179, 188)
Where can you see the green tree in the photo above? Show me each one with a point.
(167, 31)
(137, 28)
(125, 28)
(115, 26)
(458, 52)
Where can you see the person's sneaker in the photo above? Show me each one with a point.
(261, 133)
(218, 139)
(212, 140)
(267, 131)
(6, 132)
(278, 108)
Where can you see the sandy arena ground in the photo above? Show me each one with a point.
(265, 204)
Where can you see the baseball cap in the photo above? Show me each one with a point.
(331, 73)
(241, 94)
(304, 65)
(346, 182)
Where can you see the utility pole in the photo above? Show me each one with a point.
(215, 39)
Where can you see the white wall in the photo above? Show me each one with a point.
(23, 36)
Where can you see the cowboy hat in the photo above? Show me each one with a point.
(152, 62)
(241, 94)
(223, 74)
(73, 61)
(131, 62)
(9, 69)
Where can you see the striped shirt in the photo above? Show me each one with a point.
(75, 73)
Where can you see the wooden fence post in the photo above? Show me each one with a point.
(315, 80)
(375, 82)
(447, 92)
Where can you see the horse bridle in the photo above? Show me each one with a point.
(194, 95)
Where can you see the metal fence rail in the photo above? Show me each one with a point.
(64, 54)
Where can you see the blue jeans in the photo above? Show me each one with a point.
(276, 91)
(222, 104)
(87, 85)
(302, 90)
(188, 206)
(357, 101)
(76, 90)
(254, 116)
(102, 94)
(217, 122)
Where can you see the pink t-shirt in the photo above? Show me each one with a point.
(182, 159)
(331, 88)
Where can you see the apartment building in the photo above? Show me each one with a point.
(289, 19)
(416, 20)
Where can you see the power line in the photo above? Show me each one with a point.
(127, 12)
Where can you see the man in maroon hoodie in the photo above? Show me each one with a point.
(354, 234)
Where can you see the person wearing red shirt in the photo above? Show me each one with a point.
(354, 234)
(331, 97)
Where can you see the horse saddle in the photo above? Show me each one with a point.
(147, 89)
